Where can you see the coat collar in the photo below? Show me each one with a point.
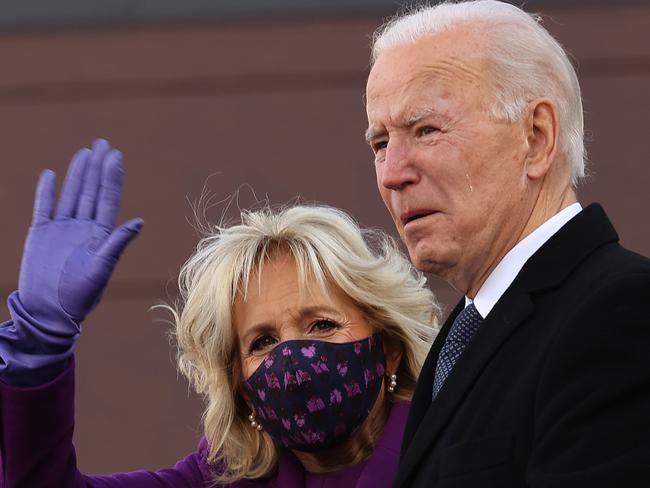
(546, 269)
(565, 250)
(381, 466)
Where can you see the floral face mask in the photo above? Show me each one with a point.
(311, 395)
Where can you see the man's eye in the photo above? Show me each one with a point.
(379, 145)
(322, 325)
(262, 343)
(428, 130)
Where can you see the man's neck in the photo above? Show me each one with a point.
(545, 207)
(512, 263)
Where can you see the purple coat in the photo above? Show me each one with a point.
(37, 451)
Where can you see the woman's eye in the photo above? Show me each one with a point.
(323, 325)
(262, 343)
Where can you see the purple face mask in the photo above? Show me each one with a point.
(311, 395)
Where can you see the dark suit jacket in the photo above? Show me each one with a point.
(554, 388)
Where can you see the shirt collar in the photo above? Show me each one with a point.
(508, 268)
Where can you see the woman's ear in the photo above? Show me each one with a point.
(245, 397)
(393, 351)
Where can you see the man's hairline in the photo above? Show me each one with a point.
(490, 101)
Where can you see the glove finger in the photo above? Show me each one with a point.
(44, 200)
(90, 189)
(110, 190)
(114, 246)
(72, 186)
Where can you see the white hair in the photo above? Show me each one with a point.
(328, 247)
(526, 62)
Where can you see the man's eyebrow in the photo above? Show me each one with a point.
(419, 116)
(372, 133)
(414, 118)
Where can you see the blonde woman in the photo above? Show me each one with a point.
(304, 334)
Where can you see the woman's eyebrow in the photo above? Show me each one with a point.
(318, 309)
(310, 311)
(256, 330)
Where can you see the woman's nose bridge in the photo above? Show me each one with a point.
(291, 331)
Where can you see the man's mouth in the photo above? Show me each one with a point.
(414, 215)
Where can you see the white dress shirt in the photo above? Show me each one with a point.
(508, 268)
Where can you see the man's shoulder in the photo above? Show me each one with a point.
(584, 252)
(610, 273)
(614, 262)
(611, 286)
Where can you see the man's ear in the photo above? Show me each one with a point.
(542, 126)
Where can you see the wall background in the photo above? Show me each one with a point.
(271, 102)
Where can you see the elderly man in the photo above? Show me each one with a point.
(541, 375)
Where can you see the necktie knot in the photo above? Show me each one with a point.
(462, 330)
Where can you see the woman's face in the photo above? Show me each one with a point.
(275, 311)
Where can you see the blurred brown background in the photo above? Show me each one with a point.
(251, 96)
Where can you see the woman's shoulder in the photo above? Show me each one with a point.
(210, 471)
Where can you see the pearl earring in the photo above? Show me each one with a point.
(393, 383)
(254, 423)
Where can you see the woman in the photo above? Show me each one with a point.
(305, 342)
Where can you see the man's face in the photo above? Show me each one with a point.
(452, 178)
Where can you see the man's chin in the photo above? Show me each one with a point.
(428, 262)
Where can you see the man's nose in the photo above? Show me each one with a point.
(398, 169)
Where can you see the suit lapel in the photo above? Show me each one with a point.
(495, 330)
(422, 396)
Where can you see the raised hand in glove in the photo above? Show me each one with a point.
(69, 256)
(70, 252)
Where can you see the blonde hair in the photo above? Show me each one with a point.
(526, 62)
(328, 247)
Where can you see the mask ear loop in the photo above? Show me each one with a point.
(393, 383)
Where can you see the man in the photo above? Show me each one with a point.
(541, 375)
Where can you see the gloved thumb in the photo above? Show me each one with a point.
(114, 246)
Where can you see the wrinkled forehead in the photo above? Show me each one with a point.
(453, 57)
(443, 73)
(456, 54)
(414, 81)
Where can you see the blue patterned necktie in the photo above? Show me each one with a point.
(462, 330)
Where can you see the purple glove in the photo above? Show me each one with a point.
(69, 257)
(70, 254)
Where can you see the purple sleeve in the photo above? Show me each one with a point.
(37, 451)
(32, 353)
